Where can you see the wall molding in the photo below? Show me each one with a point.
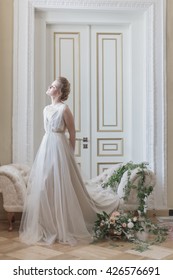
(90, 4)
(23, 85)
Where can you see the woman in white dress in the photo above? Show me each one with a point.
(58, 205)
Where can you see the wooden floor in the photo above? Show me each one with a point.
(12, 249)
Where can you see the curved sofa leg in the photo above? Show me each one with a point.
(11, 220)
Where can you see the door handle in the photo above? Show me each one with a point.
(84, 139)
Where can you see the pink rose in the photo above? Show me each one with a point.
(124, 225)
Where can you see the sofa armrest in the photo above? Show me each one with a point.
(132, 201)
(13, 184)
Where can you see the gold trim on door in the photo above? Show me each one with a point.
(103, 142)
(109, 165)
(117, 126)
(76, 87)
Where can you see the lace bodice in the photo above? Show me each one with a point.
(53, 118)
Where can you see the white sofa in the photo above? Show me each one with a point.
(13, 184)
(132, 203)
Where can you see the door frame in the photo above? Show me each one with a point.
(23, 76)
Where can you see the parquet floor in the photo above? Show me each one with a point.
(12, 249)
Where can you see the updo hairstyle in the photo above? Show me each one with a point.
(64, 87)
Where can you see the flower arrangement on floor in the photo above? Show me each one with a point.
(133, 225)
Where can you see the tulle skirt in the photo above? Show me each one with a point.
(59, 206)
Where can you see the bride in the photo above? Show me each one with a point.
(59, 206)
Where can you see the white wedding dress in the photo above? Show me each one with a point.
(59, 206)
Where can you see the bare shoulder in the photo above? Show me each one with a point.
(68, 117)
(67, 110)
(66, 107)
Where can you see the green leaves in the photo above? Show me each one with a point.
(126, 225)
(142, 190)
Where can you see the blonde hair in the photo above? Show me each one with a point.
(64, 87)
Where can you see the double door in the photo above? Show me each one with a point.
(92, 58)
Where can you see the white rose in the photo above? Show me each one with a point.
(130, 225)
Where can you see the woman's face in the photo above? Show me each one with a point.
(53, 89)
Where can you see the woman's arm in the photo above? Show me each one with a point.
(69, 121)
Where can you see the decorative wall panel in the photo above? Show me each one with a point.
(102, 166)
(109, 82)
(67, 64)
(110, 147)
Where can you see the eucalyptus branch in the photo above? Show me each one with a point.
(142, 190)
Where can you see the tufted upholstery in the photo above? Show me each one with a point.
(13, 182)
